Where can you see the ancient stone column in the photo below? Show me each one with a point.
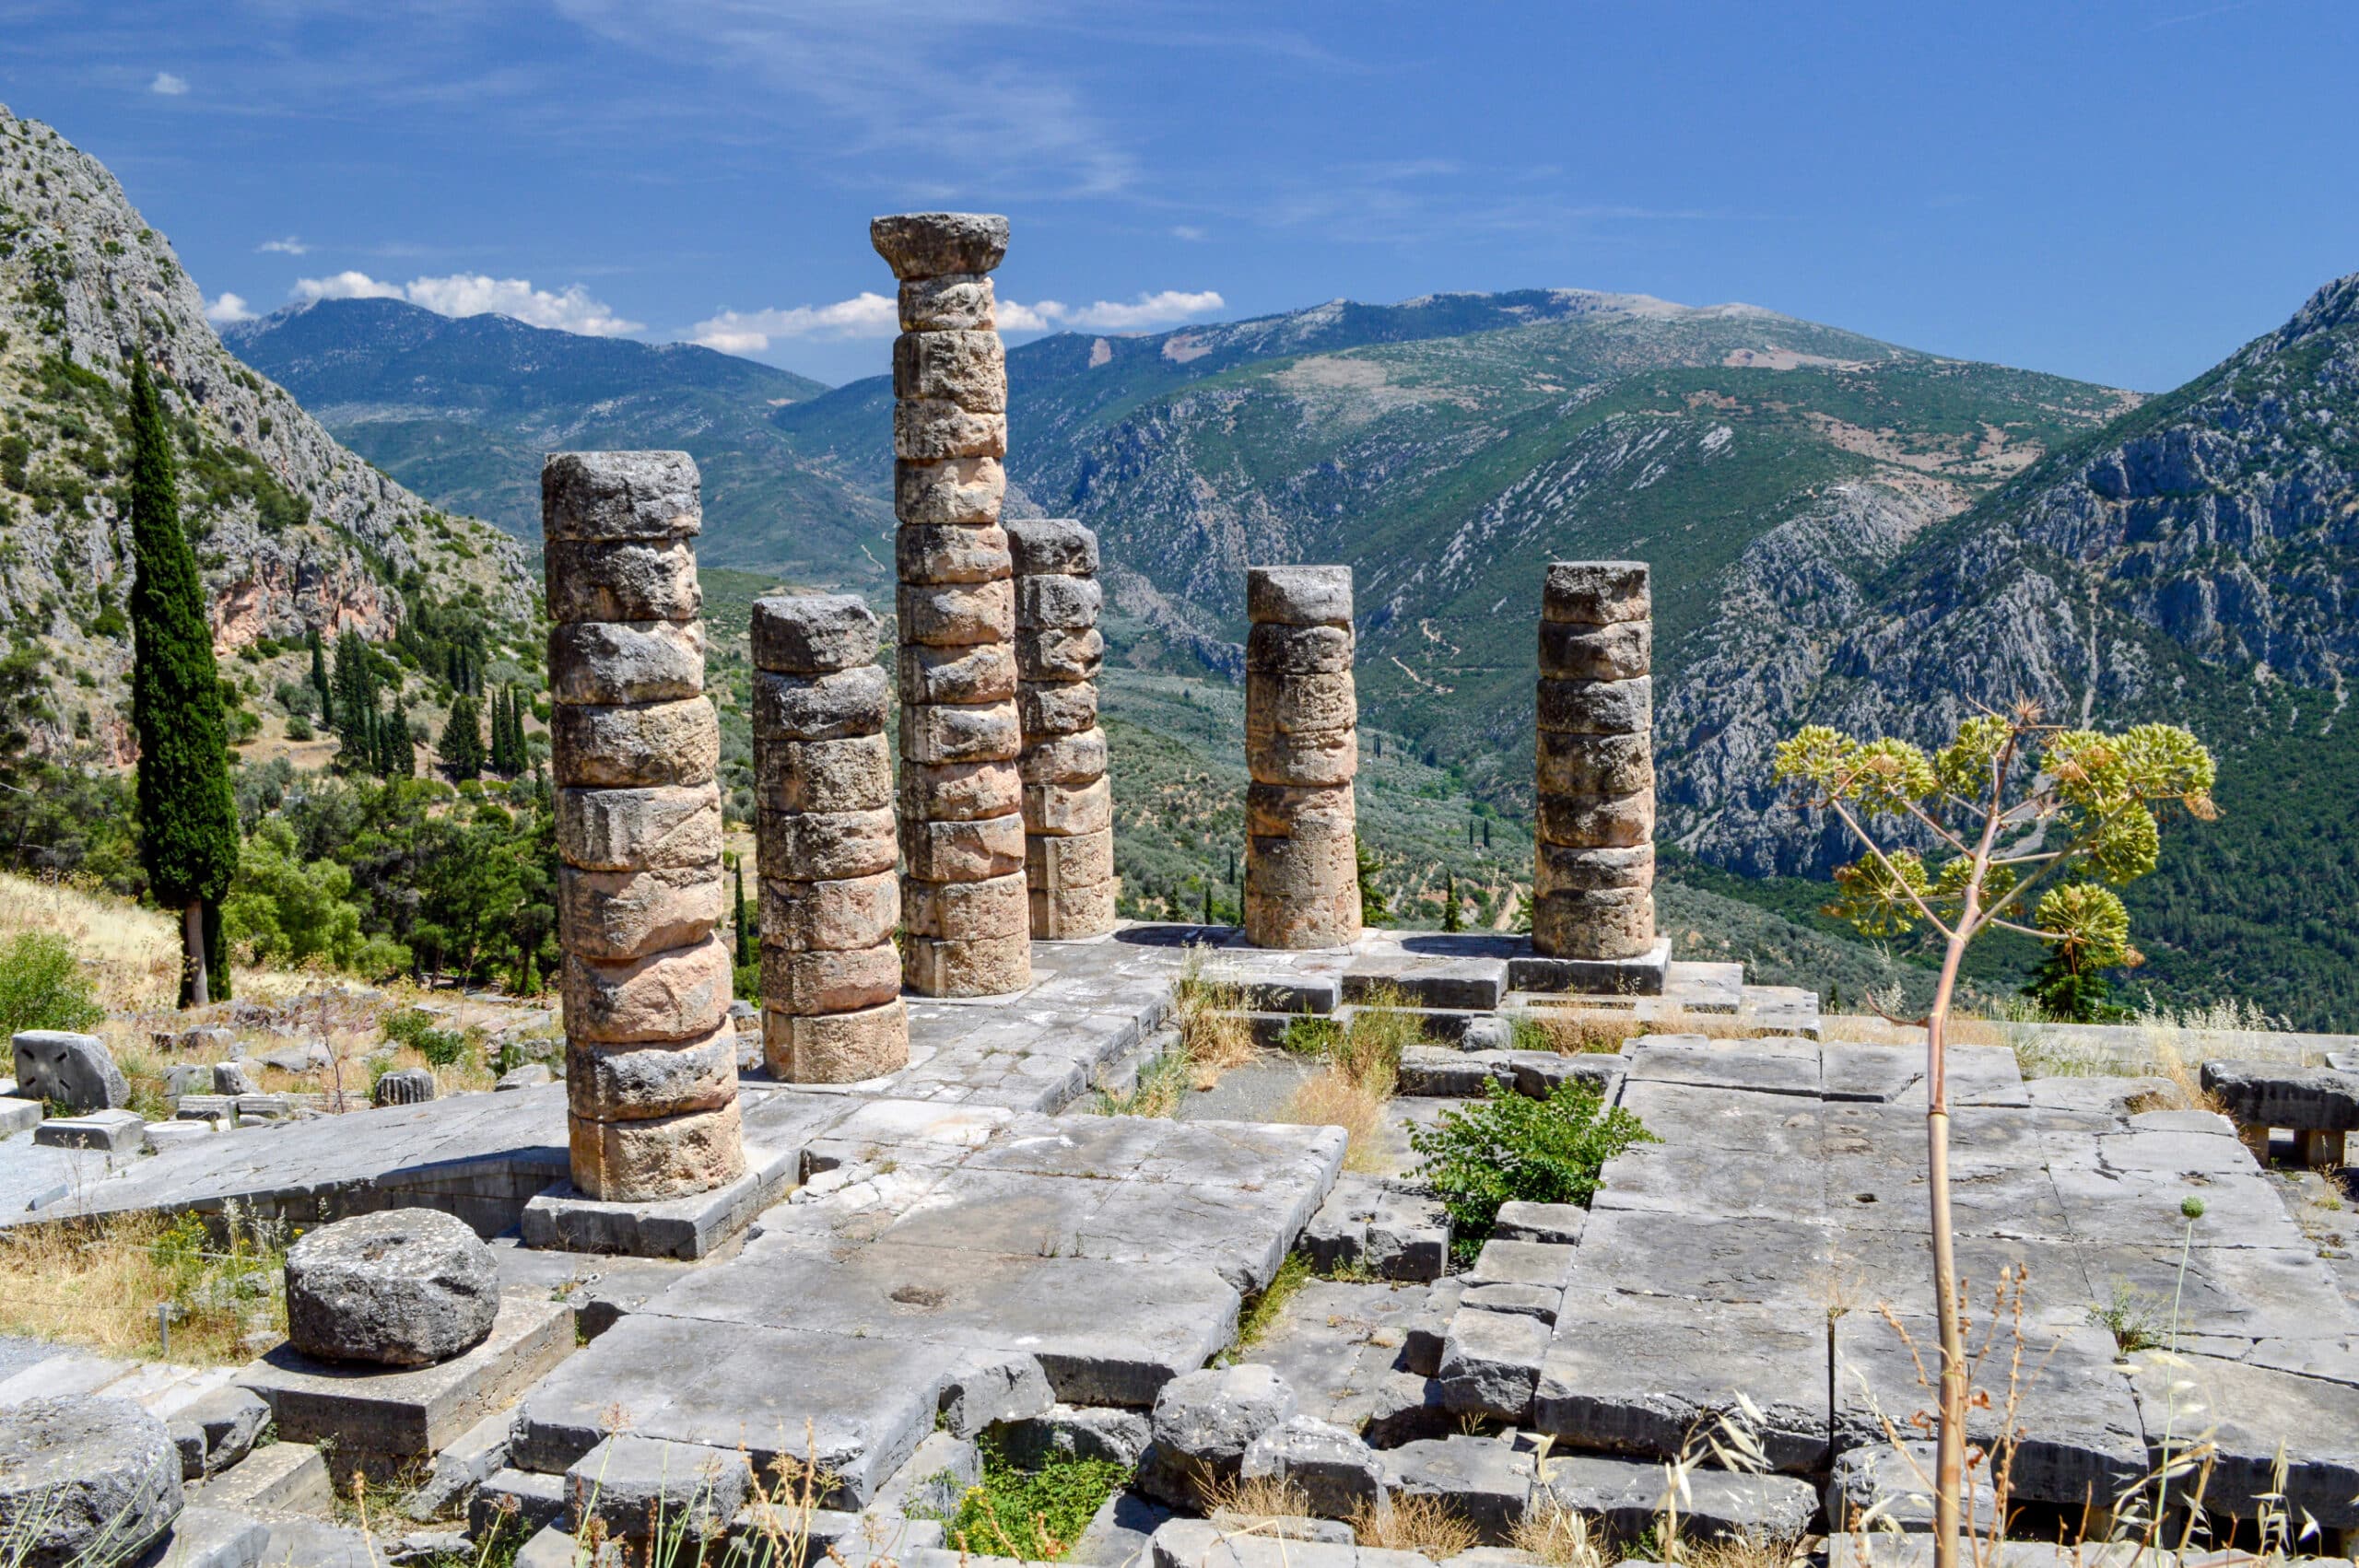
(1593, 878)
(961, 802)
(1068, 803)
(651, 1057)
(1302, 886)
(831, 976)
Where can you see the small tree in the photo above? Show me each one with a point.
(2003, 827)
(462, 745)
(1365, 865)
(1450, 920)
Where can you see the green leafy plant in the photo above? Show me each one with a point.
(413, 1028)
(1508, 1148)
(43, 986)
(2012, 806)
(1035, 1515)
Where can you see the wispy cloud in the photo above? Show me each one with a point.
(226, 308)
(166, 85)
(291, 246)
(873, 315)
(473, 294)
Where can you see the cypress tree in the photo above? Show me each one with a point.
(1450, 916)
(745, 955)
(320, 681)
(462, 745)
(188, 822)
(401, 755)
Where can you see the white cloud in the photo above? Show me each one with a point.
(873, 315)
(227, 307)
(291, 246)
(473, 294)
(168, 86)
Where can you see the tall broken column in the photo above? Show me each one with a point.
(650, 1057)
(831, 976)
(961, 804)
(1068, 802)
(1594, 869)
(1302, 886)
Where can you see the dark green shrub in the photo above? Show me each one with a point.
(440, 1047)
(1508, 1148)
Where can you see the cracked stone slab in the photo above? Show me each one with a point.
(1685, 1115)
(2247, 1413)
(1629, 1498)
(2247, 1293)
(2272, 1094)
(1853, 1072)
(1766, 1066)
(2147, 1208)
(1686, 1257)
(1867, 1193)
(1683, 1178)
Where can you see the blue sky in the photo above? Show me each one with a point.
(2114, 191)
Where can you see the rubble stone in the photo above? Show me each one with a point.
(1204, 1423)
(85, 1481)
(403, 1287)
(76, 1071)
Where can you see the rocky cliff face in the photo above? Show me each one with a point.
(293, 532)
(2164, 566)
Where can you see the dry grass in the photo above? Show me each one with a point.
(1363, 1069)
(132, 956)
(1212, 1038)
(1420, 1524)
(97, 1283)
(1559, 1537)
(1569, 1031)
(1330, 1097)
(1246, 1504)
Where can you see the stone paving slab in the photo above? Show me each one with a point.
(2249, 1415)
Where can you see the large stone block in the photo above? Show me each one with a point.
(1596, 594)
(594, 580)
(850, 775)
(1298, 651)
(849, 912)
(967, 368)
(1317, 756)
(841, 1047)
(627, 661)
(1609, 923)
(1060, 654)
(1297, 924)
(939, 244)
(1597, 822)
(679, 994)
(1560, 869)
(833, 707)
(1299, 596)
(1618, 651)
(941, 554)
(85, 1481)
(1203, 1422)
(76, 1071)
(635, 747)
(640, 1083)
(1595, 764)
(1053, 547)
(1061, 810)
(980, 673)
(1598, 707)
(1057, 710)
(611, 916)
(1084, 861)
(1064, 603)
(829, 980)
(2274, 1094)
(963, 852)
(638, 1162)
(959, 302)
(953, 966)
(1285, 811)
(813, 634)
(933, 429)
(948, 732)
(610, 496)
(958, 614)
(966, 490)
(959, 792)
(825, 846)
(402, 1287)
(992, 907)
(1299, 704)
(636, 829)
(1069, 912)
(1064, 759)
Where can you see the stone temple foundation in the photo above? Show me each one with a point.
(1302, 884)
(1068, 802)
(964, 900)
(1593, 897)
(832, 978)
(651, 1057)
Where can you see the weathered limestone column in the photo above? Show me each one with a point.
(961, 802)
(651, 1057)
(831, 976)
(1068, 802)
(1594, 872)
(1302, 886)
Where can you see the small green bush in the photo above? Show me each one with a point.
(440, 1047)
(43, 986)
(1037, 1515)
(1508, 1148)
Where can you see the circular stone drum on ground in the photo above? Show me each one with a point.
(409, 1287)
(84, 1481)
